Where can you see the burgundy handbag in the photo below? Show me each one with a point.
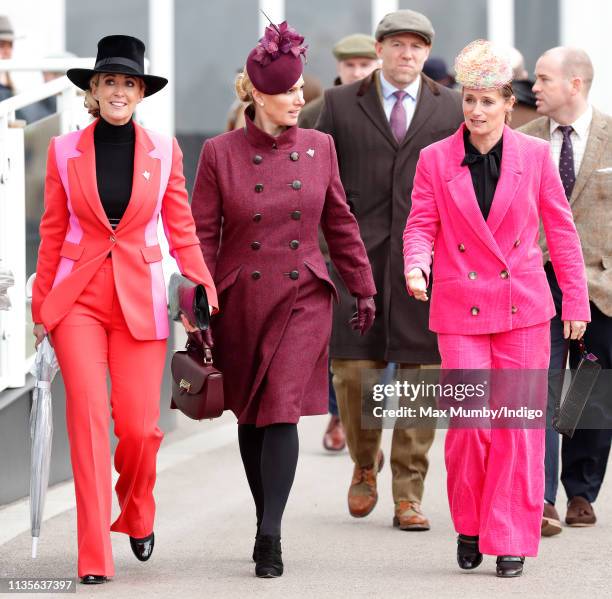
(197, 386)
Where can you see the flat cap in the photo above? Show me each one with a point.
(405, 21)
(357, 45)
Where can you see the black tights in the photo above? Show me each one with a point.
(269, 455)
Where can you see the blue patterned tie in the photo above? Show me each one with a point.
(566, 160)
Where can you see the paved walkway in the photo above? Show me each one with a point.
(205, 527)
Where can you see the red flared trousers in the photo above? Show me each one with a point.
(92, 341)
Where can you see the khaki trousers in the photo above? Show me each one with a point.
(409, 447)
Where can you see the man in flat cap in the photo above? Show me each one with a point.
(379, 126)
(7, 37)
(355, 59)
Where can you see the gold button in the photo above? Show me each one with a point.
(517, 243)
(504, 274)
(475, 310)
(113, 238)
(514, 309)
(461, 247)
(473, 275)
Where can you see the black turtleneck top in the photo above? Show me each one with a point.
(484, 169)
(114, 146)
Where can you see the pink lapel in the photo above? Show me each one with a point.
(145, 184)
(85, 167)
(460, 185)
(510, 176)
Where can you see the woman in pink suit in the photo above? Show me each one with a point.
(477, 201)
(100, 294)
(260, 194)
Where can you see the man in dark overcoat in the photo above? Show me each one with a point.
(379, 126)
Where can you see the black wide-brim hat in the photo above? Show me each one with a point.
(122, 54)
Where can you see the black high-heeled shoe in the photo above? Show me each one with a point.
(269, 563)
(509, 566)
(93, 579)
(468, 553)
(143, 548)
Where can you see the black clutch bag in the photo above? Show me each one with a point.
(188, 298)
(570, 405)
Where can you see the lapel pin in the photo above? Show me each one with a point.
(310, 152)
(146, 175)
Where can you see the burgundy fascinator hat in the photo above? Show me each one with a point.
(275, 63)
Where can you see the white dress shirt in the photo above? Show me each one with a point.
(409, 101)
(579, 137)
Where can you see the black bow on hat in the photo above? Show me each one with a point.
(118, 54)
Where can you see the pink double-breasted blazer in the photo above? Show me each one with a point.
(76, 236)
(488, 275)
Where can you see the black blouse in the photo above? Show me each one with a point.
(114, 146)
(484, 169)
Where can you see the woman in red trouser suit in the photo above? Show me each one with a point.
(100, 293)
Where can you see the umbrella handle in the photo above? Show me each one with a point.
(34, 547)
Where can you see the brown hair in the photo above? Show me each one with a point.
(90, 102)
(244, 87)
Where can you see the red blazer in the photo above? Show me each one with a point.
(76, 235)
(488, 275)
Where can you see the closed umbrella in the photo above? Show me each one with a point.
(41, 430)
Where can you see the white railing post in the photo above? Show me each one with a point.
(275, 9)
(379, 8)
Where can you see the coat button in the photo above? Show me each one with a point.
(296, 215)
(514, 309)
(473, 275)
(274, 146)
(255, 245)
(259, 187)
(475, 310)
(296, 185)
(517, 243)
(294, 245)
(461, 247)
(257, 159)
(294, 156)
(294, 275)
(504, 274)
(256, 274)
(113, 238)
(257, 217)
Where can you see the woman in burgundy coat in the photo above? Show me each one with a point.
(261, 193)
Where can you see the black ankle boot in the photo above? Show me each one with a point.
(509, 566)
(93, 579)
(468, 553)
(143, 548)
(268, 561)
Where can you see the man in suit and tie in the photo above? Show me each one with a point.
(581, 144)
(379, 126)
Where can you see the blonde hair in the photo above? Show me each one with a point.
(90, 102)
(244, 87)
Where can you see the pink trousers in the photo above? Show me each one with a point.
(90, 342)
(495, 476)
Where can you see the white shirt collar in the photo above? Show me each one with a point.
(388, 90)
(581, 125)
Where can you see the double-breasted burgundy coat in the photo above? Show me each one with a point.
(258, 202)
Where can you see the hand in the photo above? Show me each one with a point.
(40, 332)
(363, 319)
(574, 329)
(208, 337)
(416, 284)
(189, 328)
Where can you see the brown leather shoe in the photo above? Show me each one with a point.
(408, 516)
(580, 513)
(334, 438)
(551, 523)
(362, 494)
